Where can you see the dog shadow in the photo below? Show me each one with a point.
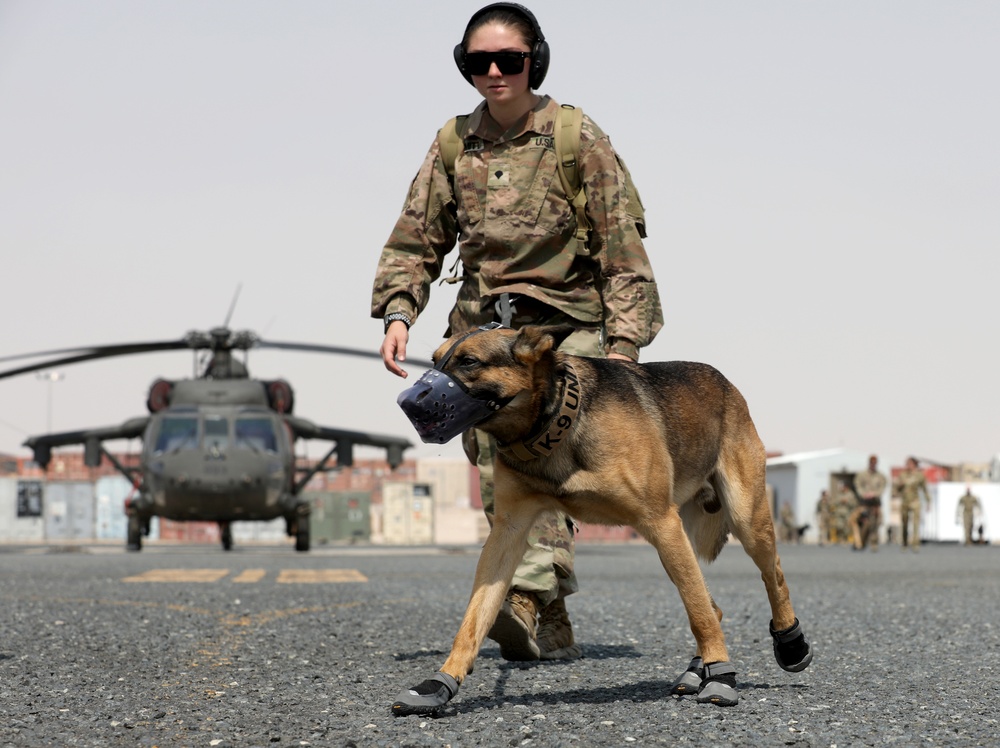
(591, 652)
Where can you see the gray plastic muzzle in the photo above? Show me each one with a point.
(440, 408)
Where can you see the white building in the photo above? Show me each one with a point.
(798, 479)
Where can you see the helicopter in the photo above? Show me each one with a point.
(217, 447)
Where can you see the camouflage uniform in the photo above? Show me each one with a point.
(788, 532)
(517, 232)
(842, 509)
(870, 485)
(968, 505)
(908, 485)
(824, 518)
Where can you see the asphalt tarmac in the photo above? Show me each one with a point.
(192, 646)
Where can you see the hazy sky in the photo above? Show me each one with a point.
(821, 179)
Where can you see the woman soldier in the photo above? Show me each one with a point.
(524, 262)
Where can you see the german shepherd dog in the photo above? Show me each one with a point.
(668, 449)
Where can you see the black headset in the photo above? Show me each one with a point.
(539, 53)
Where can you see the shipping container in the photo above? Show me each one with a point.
(271, 531)
(340, 517)
(408, 514)
(21, 510)
(68, 510)
(112, 492)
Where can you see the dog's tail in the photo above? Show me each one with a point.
(704, 522)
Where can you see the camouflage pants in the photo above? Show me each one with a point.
(909, 518)
(547, 567)
(967, 522)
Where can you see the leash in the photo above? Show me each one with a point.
(557, 429)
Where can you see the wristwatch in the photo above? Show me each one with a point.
(390, 318)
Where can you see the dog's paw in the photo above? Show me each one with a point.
(791, 649)
(719, 686)
(690, 680)
(426, 697)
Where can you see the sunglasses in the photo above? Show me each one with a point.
(508, 63)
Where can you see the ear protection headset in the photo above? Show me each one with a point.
(539, 53)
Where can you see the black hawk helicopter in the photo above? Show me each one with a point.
(218, 447)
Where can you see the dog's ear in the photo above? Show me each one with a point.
(534, 341)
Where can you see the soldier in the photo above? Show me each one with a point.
(824, 515)
(908, 485)
(969, 507)
(842, 508)
(789, 532)
(526, 259)
(867, 517)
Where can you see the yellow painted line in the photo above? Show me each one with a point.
(248, 576)
(179, 575)
(319, 576)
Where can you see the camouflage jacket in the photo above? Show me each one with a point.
(968, 505)
(908, 485)
(870, 484)
(516, 229)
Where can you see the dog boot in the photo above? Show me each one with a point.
(515, 628)
(555, 633)
(719, 686)
(690, 680)
(791, 649)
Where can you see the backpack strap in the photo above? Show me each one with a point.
(451, 142)
(569, 123)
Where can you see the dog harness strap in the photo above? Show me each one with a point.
(558, 428)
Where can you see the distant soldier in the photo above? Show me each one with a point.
(867, 517)
(908, 485)
(824, 517)
(788, 531)
(842, 507)
(969, 507)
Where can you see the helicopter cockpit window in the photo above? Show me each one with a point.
(257, 434)
(216, 432)
(177, 433)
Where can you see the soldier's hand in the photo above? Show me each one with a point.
(618, 357)
(393, 347)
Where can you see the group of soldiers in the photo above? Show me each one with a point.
(854, 515)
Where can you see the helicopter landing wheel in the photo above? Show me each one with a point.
(134, 542)
(302, 536)
(226, 533)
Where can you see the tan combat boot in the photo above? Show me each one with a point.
(515, 628)
(555, 633)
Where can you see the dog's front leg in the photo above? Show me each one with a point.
(501, 553)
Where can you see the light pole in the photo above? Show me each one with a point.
(51, 377)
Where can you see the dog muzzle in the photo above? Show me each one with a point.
(440, 408)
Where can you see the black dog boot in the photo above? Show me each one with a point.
(427, 697)
(690, 680)
(719, 686)
(791, 649)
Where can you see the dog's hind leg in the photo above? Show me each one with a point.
(741, 484)
(501, 553)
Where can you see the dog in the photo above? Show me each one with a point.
(668, 449)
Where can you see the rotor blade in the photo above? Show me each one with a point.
(314, 348)
(89, 354)
(232, 306)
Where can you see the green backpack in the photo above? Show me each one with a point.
(569, 123)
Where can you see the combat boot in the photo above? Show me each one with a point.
(515, 628)
(555, 633)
